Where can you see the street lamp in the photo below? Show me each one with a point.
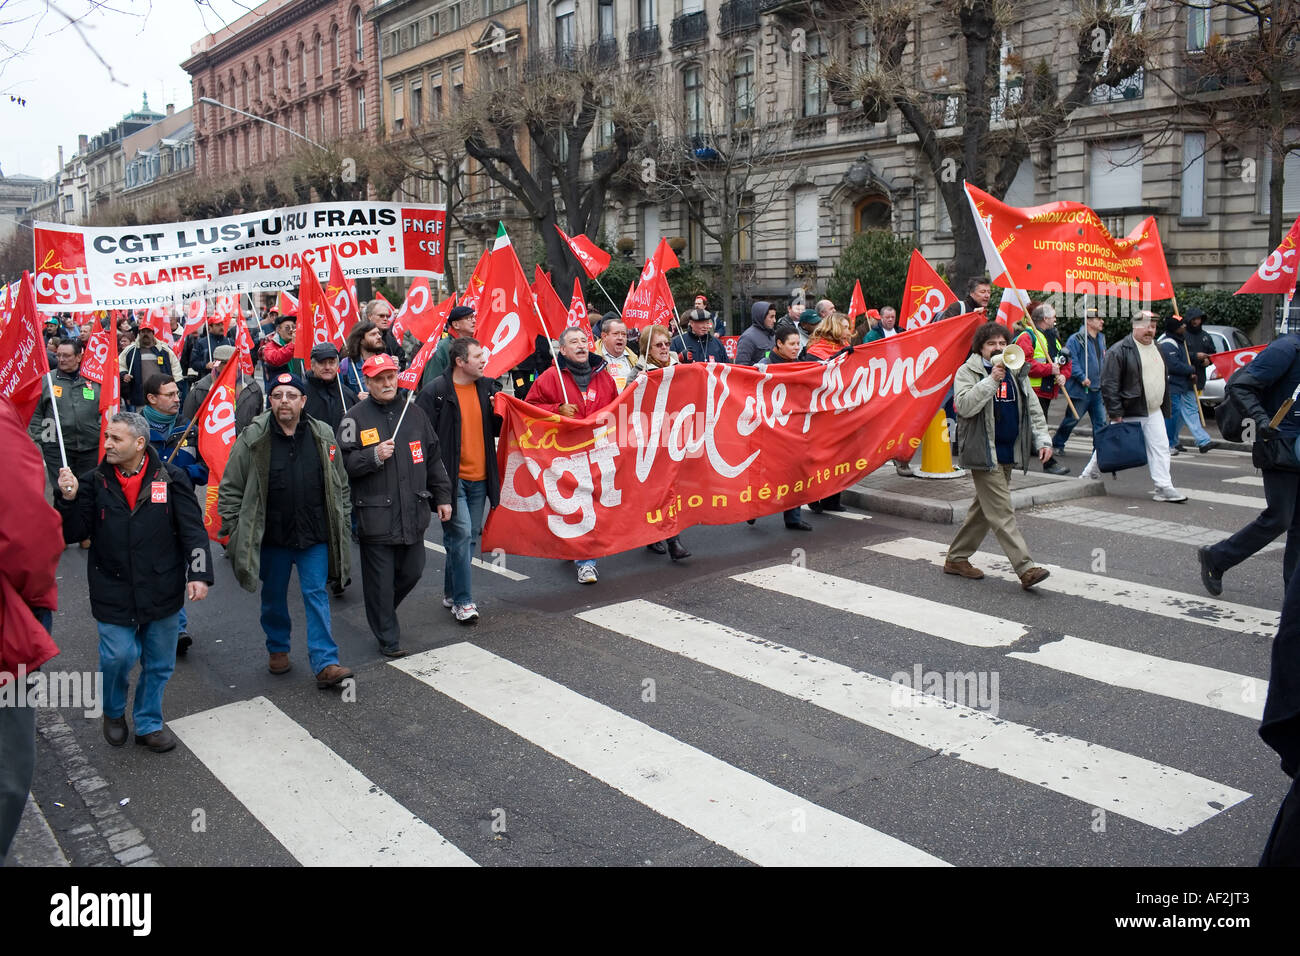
(262, 119)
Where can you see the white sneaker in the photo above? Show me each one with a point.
(466, 613)
(587, 574)
(1091, 476)
(1169, 494)
(448, 603)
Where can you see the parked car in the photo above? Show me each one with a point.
(1226, 339)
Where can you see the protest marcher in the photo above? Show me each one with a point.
(1001, 426)
(1200, 344)
(365, 341)
(142, 360)
(585, 389)
(786, 348)
(701, 305)
(1280, 729)
(285, 503)
(31, 541)
(328, 395)
(277, 350)
(461, 323)
(979, 290)
(398, 482)
(147, 555)
(831, 335)
(459, 404)
(698, 343)
(1046, 375)
(525, 373)
(1087, 348)
(380, 313)
(78, 401)
(1183, 400)
(1135, 385)
(756, 341)
(888, 325)
(659, 354)
(248, 401)
(620, 361)
(1259, 390)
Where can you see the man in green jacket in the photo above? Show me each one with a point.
(78, 401)
(284, 501)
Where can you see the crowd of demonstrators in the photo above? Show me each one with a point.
(1260, 390)
(620, 360)
(697, 343)
(756, 341)
(887, 327)
(133, 505)
(391, 454)
(276, 349)
(459, 405)
(1185, 382)
(1001, 426)
(1135, 387)
(249, 398)
(142, 360)
(461, 323)
(285, 502)
(1087, 348)
(1046, 373)
(979, 291)
(786, 348)
(199, 355)
(328, 395)
(78, 415)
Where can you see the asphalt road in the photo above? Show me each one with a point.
(725, 721)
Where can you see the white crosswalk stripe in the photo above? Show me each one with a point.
(323, 810)
(1252, 502)
(1190, 608)
(1255, 481)
(1094, 519)
(1151, 793)
(500, 569)
(722, 803)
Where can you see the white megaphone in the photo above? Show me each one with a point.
(1013, 356)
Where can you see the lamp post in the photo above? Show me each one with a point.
(262, 119)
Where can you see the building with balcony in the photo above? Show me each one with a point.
(311, 66)
(725, 72)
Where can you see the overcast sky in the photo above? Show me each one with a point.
(68, 91)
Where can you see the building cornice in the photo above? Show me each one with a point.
(228, 49)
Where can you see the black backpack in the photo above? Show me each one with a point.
(1228, 413)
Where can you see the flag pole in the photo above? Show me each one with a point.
(555, 359)
(58, 426)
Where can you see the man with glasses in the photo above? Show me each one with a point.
(381, 313)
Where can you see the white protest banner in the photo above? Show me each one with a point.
(122, 267)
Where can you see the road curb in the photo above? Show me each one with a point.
(937, 511)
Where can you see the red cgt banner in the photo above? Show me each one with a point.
(1225, 363)
(715, 444)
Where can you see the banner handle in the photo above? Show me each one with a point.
(58, 426)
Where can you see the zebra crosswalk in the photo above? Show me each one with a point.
(311, 798)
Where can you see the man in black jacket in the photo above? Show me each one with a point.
(398, 479)
(380, 312)
(146, 542)
(328, 398)
(1135, 386)
(1259, 390)
(697, 343)
(459, 404)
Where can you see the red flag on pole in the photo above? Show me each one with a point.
(419, 315)
(287, 304)
(23, 360)
(244, 345)
(196, 313)
(664, 256)
(216, 436)
(110, 390)
(577, 316)
(549, 303)
(1225, 363)
(1277, 273)
(508, 321)
(652, 303)
(410, 378)
(925, 294)
(476, 282)
(593, 259)
(95, 357)
(857, 304)
(315, 321)
(342, 305)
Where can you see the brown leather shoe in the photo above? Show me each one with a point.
(332, 675)
(964, 568)
(160, 741)
(279, 663)
(1033, 576)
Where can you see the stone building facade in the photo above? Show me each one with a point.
(160, 162)
(311, 66)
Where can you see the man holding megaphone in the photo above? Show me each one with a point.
(1000, 425)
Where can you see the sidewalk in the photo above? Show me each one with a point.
(35, 843)
(946, 500)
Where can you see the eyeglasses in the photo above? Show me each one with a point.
(660, 345)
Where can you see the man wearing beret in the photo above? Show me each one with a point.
(392, 456)
(285, 503)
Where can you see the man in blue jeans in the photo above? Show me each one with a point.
(1182, 388)
(1087, 352)
(135, 504)
(284, 502)
(459, 404)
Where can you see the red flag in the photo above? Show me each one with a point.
(508, 323)
(95, 357)
(287, 304)
(195, 315)
(110, 391)
(343, 307)
(549, 303)
(593, 259)
(410, 378)
(652, 303)
(419, 315)
(1225, 363)
(664, 256)
(244, 345)
(857, 304)
(23, 360)
(925, 295)
(577, 316)
(379, 296)
(315, 321)
(474, 289)
(216, 436)
(1277, 273)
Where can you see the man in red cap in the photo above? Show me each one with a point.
(391, 454)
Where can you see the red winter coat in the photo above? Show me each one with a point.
(31, 541)
(546, 393)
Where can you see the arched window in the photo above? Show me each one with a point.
(334, 44)
(359, 38)
(203, 107)
(270, 71)
(287, 78)
(302, 63)
(320, 63)
(243, 89)
(257, 79)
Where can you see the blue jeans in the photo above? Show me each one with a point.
(1182, 410)
(460, 536)
(120, 646)
(313, 568)
(1092, 407)
(181, 620)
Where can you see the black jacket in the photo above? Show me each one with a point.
(442, 404)
(1181, 372)
(197, 354)
(393, 500)
(1260, 389)
(1199, 340)
(691, 349)
(324, 402)
(1122, 391)
(139, 559)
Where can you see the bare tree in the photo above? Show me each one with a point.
(1004, 105)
